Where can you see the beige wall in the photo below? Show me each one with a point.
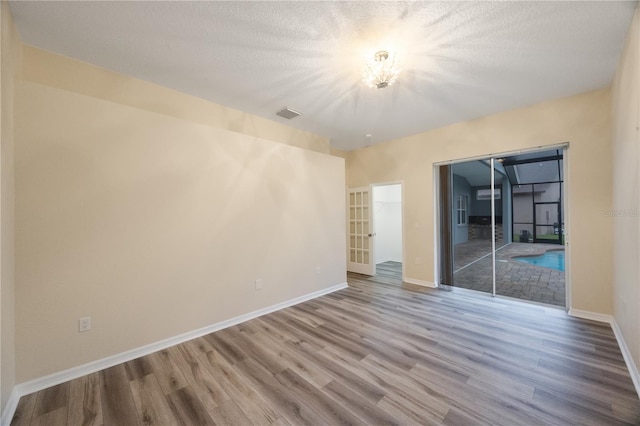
(584, 121)
(626, 186)
(339, 153)
(152, 223)
(9, 70)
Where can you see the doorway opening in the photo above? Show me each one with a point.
(375, 243)
(387, 220)
(502, 227)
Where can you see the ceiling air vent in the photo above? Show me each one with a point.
(288, 113)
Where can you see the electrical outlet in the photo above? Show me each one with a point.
(258, 284)
(317, 270)
(84, 324)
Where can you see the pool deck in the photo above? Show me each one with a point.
(513, 278)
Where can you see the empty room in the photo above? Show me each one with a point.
(305, 212)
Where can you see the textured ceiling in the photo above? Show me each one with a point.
(460, 60)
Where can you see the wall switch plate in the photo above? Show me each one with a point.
(258, 284)
(84, 324)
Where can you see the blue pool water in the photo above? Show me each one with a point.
(553, 259)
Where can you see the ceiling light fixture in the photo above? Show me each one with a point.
(382, 70)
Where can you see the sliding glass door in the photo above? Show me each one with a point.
(498, 215)
(474, 214)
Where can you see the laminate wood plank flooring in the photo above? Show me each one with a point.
(379, 352)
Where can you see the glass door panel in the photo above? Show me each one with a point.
(472, 225)
(360, 247)
(504, 215)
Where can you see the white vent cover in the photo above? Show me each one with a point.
(288, 113)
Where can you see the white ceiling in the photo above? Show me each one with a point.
(460, 60)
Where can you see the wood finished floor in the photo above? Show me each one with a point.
(379, 352)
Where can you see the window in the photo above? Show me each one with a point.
(463, 209)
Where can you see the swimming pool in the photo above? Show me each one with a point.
(553, 259)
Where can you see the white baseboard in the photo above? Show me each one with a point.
(419, 282)
(94, 366)
(10, 408)
(626, 354)
(593, 316)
